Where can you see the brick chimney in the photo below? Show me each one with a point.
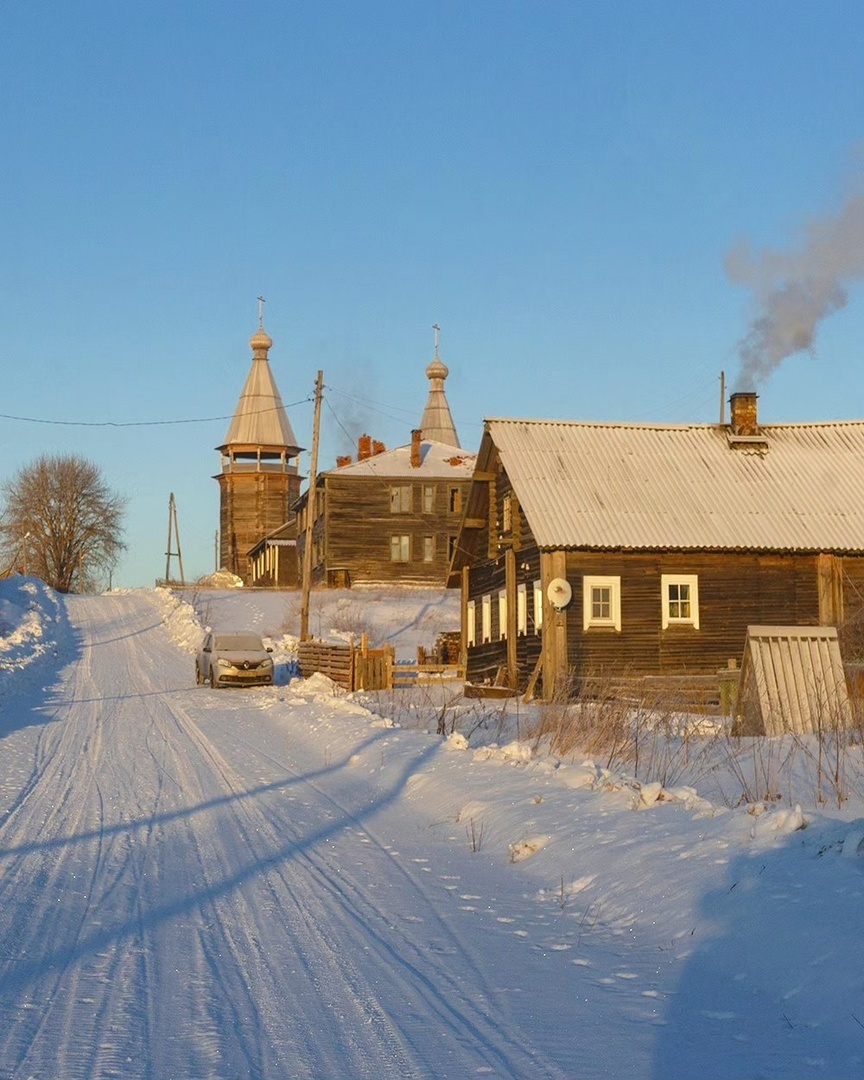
(342, 460)
(364, 447)
(416, 436)
(743, 421)
(377, 447)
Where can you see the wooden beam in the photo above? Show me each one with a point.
(474, 523)
(510, 593)
(553, 564)
(463, 637)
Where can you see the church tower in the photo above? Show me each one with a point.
(437, 423)
(259, 479)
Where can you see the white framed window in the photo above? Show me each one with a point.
(471, 623)
(428, 549)
(486, 617)
(455, 500)
(502, 614)
(428, 498)
(601, 602)
(400, 548)
(400, 499)
(521, 609)
(680, 600)
(538, 606)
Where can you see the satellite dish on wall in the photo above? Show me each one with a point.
(559, 592)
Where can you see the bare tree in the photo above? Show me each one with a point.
(61, 522)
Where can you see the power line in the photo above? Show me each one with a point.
(144, 423)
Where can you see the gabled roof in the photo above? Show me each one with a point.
(260, 418)
(437, 461)
(797, 487)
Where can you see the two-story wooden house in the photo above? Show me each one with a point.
(594, 548)
(389, 516)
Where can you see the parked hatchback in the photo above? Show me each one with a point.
(233, 659)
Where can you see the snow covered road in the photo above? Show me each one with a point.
(283, 882)
(185, 895)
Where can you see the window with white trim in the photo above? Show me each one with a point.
(486, 617)
(680, 600)
(400, 548)
(428, 498)
(502, 614)
(428, 549)
(471, 623)
(538, 606)
(601, 602)
(521, 609)
(400, 499)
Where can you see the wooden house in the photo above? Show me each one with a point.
(259, 479)
(392, 515)
(389, 516)
(629, 549)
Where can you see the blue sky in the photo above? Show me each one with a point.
(558, 185)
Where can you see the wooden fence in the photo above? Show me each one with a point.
(360, 668)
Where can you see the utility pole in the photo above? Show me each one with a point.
(175, 531)
(310, 512)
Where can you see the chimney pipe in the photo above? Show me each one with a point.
(744, 419)
(342, 460)
(416, 436)
(377, 447)
(364, 447)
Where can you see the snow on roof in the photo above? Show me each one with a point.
(437, 460)
(798, 487)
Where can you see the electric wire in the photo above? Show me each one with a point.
(147, 423)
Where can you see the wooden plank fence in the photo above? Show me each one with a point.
(360, 668)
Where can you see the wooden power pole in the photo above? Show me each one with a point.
(310, 512)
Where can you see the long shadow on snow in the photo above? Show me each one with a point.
(23, 972)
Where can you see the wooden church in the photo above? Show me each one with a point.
(259, 480)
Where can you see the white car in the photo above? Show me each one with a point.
(233, 659)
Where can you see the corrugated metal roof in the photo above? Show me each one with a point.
(260, 418)
(642, 486)
(436, 460)
(792, 680)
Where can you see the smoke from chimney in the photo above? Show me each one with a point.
(794, 291)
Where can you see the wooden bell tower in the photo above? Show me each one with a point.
(259, 480)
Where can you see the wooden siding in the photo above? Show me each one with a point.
(735, 591)
(252, 505)
(355, 526)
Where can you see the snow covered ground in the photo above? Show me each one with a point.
(294, 882)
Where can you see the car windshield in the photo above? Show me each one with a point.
(243, 642)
